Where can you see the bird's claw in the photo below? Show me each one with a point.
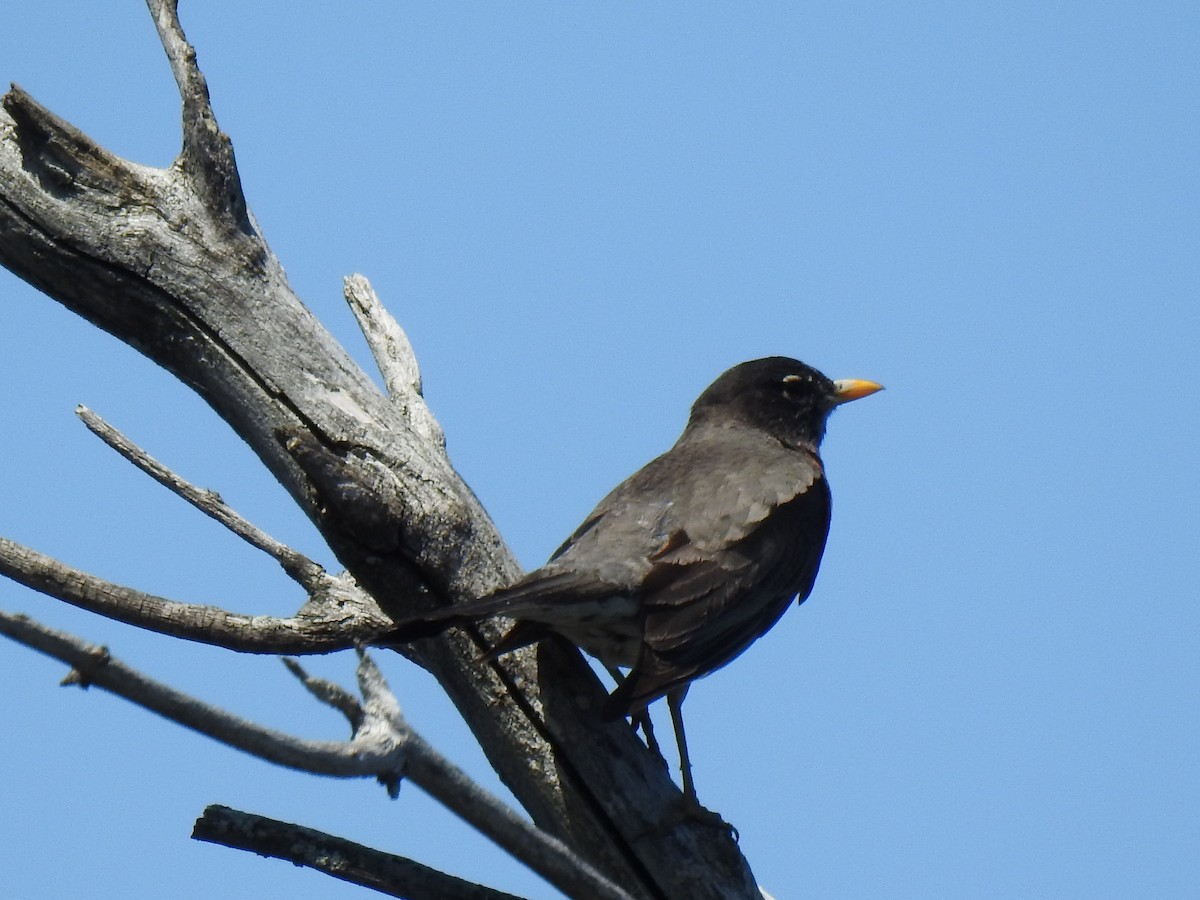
(691, 809)
(689, 812)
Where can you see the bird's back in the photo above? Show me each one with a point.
(716, 489)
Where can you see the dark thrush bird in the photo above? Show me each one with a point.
(690, 560)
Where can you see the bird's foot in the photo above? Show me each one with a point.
(689, 811)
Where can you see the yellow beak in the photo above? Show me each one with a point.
(848, 389)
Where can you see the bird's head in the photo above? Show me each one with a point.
(781, 396)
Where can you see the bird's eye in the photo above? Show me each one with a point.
(789, 384)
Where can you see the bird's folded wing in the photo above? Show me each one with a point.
(702, 609)
(709, 492)
(729, 502)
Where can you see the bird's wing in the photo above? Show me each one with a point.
(702, 607)
(733, 489)
(717, 492)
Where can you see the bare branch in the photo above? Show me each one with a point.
(396, 876)
(389, 344)
(207, 156)
(547, 855)
(383, 747)
(394, 355)
(454, 789)
(302, 569)
(374, 753)
(330, 693)
(334, 620)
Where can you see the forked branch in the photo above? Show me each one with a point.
(382, 746)
(379, 753)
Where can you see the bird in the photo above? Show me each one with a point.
(693, 557)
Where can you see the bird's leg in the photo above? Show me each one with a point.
(640, 719)
(675, 704)
(691, 807)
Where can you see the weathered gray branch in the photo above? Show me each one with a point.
(382, 746)
(334, 619)
(170, 262)
(330, 693)
(302, 569)
(387, 873)
(207, 156)
(375, 752)
(394, 356)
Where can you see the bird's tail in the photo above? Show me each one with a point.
(424, 626)
(511, 601)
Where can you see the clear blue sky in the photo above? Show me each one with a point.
(582, 213)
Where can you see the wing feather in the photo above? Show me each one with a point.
(702, 609)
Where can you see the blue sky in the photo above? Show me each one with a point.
(582, 213)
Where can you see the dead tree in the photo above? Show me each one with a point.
(172, 262)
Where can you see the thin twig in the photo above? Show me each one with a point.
(335, 620)
(307, 573)
(329, 693)
(389, 344)
(393, 355)
(374, 752)
(396, 876)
